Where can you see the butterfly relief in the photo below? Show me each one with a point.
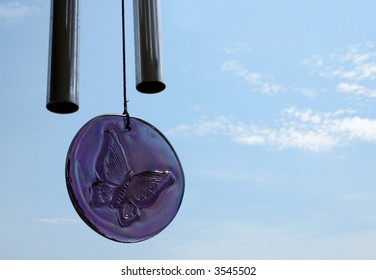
(120, 188)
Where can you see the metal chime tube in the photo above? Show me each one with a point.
(62, 95)
(149, 76)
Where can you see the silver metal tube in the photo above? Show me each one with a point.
(62, 94)
(149, 76)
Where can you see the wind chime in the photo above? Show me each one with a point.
(123, 176)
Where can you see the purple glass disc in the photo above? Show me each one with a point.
(126, 184)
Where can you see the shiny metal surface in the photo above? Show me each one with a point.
(149, 76)
(62, 88)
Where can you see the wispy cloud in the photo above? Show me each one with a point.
(258, 82)
(315, 60)
(353, 69)
(313, 239)
(239, 175)
(357, 63)
(306, 91)
(13, 11)
(297, 129)
(56, 220)
(240, 47)
(356, 89)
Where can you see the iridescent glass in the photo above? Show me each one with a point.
(126, 183)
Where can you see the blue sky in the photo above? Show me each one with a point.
(270, 106)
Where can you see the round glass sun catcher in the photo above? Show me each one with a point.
(124, 178)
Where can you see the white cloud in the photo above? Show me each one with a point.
(355, 128)
(310, 140)
(315, 60)
(356, 63)
(242, 240)
(297, 129)
(57, 220)
(253, 78)
(15, 11)
(238, 175)
(356, 89)
(307, 92)
(196, 108)
(352, 69)
(240, 47)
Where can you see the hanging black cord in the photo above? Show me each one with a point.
(125, 112)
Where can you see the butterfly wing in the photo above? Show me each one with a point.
(120, 195)
(124, 191)
(112, 163)
(145, 187)
(112, 167)
(101, 194)
(128, 214)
